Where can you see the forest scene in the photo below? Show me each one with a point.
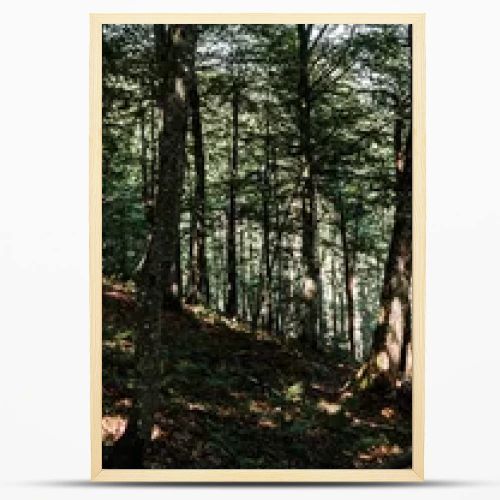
(257, 246)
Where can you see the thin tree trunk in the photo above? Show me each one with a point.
(154, 153)
(232, 295)
(334, 287)
(342, 314)
(199, 278)
(144, 163)
(266, 231)
(349, 279)
(243, 285)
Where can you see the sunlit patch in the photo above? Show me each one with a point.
(294, 392)
(238, 395)
(310, 288)
(328, 407)
(112, 428)
(124, 403)
(387, 412)
(123, 345)
(383, 361)
(196, 407)
(267, 423)
(379, 453)
(259, 406)
(346, 395)
(157, 433)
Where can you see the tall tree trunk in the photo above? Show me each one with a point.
(232, 295)
(266, 231)
(393, 333)
(173, 49)
(349, 278)
(309, 215)
(199, 278)
(334, 316)
(153, 174)
(171, 272)
(342, 314)
(333, 287)
(144, 164)
(243, 273)
(154, 153)
(391, 350)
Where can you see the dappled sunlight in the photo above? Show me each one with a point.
(256, 245)
(124, 403)
(157, 433)
(196, 407)
(328, 407)
(113, 427)
(387, 412)
(377, 454)
(267, 423)
(231, 400)
(259, 407)
(122, 345)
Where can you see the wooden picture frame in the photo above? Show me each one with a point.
(418, 293)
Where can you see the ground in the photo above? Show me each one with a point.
(231, 399)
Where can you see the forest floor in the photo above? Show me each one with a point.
(231, 399)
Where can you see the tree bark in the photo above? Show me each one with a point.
(349, 279)
(232, 295)
(308, 335)
(391, 349)
(199, 278)
(394, 314)
(173, 48)
(266, 231)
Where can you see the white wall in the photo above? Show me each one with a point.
(44, 416)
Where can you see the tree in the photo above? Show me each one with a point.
(232, 292)
(174, 46)
(263, 172)
(199, 291)
(309, 209)
(391, 349)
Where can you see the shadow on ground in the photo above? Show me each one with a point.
(230, 399)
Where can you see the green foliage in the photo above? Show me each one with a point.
(244, 392)
(225, 402)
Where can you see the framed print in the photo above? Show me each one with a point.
(257, 247)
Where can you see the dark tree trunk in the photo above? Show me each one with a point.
(334, 291)
(178, 85)
(349, 279)
(342, 314)
(309, 209)
(172, 48)
(232, 292)
(393, 333)
(391, 350)
(199, 278)
(154, 154)
(266, 233)
(279, 249)
(144, 164)
(243, 274)
(335, 316)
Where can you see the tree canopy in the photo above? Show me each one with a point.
(257, 179)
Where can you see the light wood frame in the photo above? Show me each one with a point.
(95, 211)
